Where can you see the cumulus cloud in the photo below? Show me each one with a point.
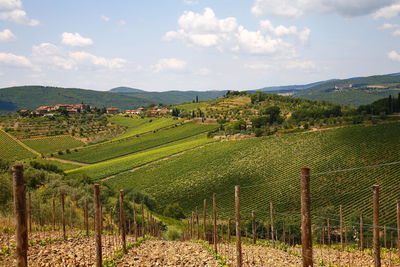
(303, 65)
(207, 30)
(169, 64)
(6, 36)
(388, 12)
(393, 55)
(11, 60)
(121, 22)
(75, 39)
(389, 26)
(11, 10)
(296, 8)
(50, 54)
(105, 18)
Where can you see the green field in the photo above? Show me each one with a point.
(11, 150)
(109, 150)
(51, 144)
(115, 166)
(268, 169)
(138, 126)
(192, 106)
(61, 165)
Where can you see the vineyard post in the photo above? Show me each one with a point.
(215, 222)
(306, 238)
(384, 237)
(205, 219)
(134, 221)
(341, 227)
(238, 228)
(99, 260)
(191, 225)
(148, 222)
(142, 220)
(229, 230)
(62, 196)
(29, 211)
(122, 220)
(398, 224)
(377, 249)
(329, 232)
(271, 215)
(53, 210)
(198, 223)
(20, 216)
(86, 217)
(361, 233)
(253, 226)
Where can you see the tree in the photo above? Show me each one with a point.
(174, 211)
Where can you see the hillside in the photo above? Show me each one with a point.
(354, 91)
(169, 97)
(30, 97)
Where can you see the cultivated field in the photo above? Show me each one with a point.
(11, 150)
(52, 144)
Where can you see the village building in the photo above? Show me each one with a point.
(112, 110)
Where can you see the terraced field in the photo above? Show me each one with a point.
(11, 150)
(61, 165)
(51, 144)
(110, 150)
(138, 126)
(115, 166)
(268, 170)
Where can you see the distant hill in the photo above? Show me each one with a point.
(354, 91)
(30, 97)
(288, 88)
(169, 97)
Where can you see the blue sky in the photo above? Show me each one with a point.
(195, 44)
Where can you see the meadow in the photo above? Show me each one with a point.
(268, 169)
(110, 150)
(115, 166)
(11, 150)
(51, 144)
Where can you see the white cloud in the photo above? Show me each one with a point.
(301, 65)
(105, 18)
(190, 2)
(6, 36)
(393, 55)
(75, 39)
(8, 59)
(296, 8)
(50, 54)
(169, 64)
(121, 22)
(203, 72)
(207, 30)
(396, 33)
(388, 11)
(11, 10)
(388, 26)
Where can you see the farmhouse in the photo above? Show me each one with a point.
(135, 111)
(42, 110)
(112, 110)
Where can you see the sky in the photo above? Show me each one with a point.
(160, 45)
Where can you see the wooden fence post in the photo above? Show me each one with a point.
(341, 227)
(377, 247)
(53, 211)
(86, 217)
(62, 196)
(238, 227)
(143, 220)
(253, 226)
(122, 220)
(306, 238)
(328, 226)
(271, 216)
(361, 232)
(384, 237)
(29, 211)
(229, 230)
(134, 221)
(205, 219)
(398, 223)
(98, 218)
(198, 223)
(215, 222)
(21, 230)
(191, 226)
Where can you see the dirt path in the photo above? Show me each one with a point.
(168, 253)
(22, 144)
(81, 164)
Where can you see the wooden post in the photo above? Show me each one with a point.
(99, 258)
(253, 226)
(62, 196)
(191, 225)
(143, 220)
(122, 220)
(229, 230)
(384, 237)
(271, 216)
(134, 221)
(377, 248)
(21, 230)
(205, 219)
(53, 212)
(306, 238)
(341, 227)
(398, 224)
(29, 211)
(329, 232)
(238, 228)
(198, 223)
(361, 232)
(215, 222)
(86, 217)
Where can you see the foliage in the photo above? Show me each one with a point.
(174, 211)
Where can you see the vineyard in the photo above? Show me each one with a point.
(52, 144)
(110, 150)
(11, 150)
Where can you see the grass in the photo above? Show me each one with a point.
(268, 169)
(137, 126)
(11, 150)
(192, 106)
(110, 150)
(51, 144)
(115, 166)
(61, 165)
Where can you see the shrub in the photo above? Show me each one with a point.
(174, 211)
